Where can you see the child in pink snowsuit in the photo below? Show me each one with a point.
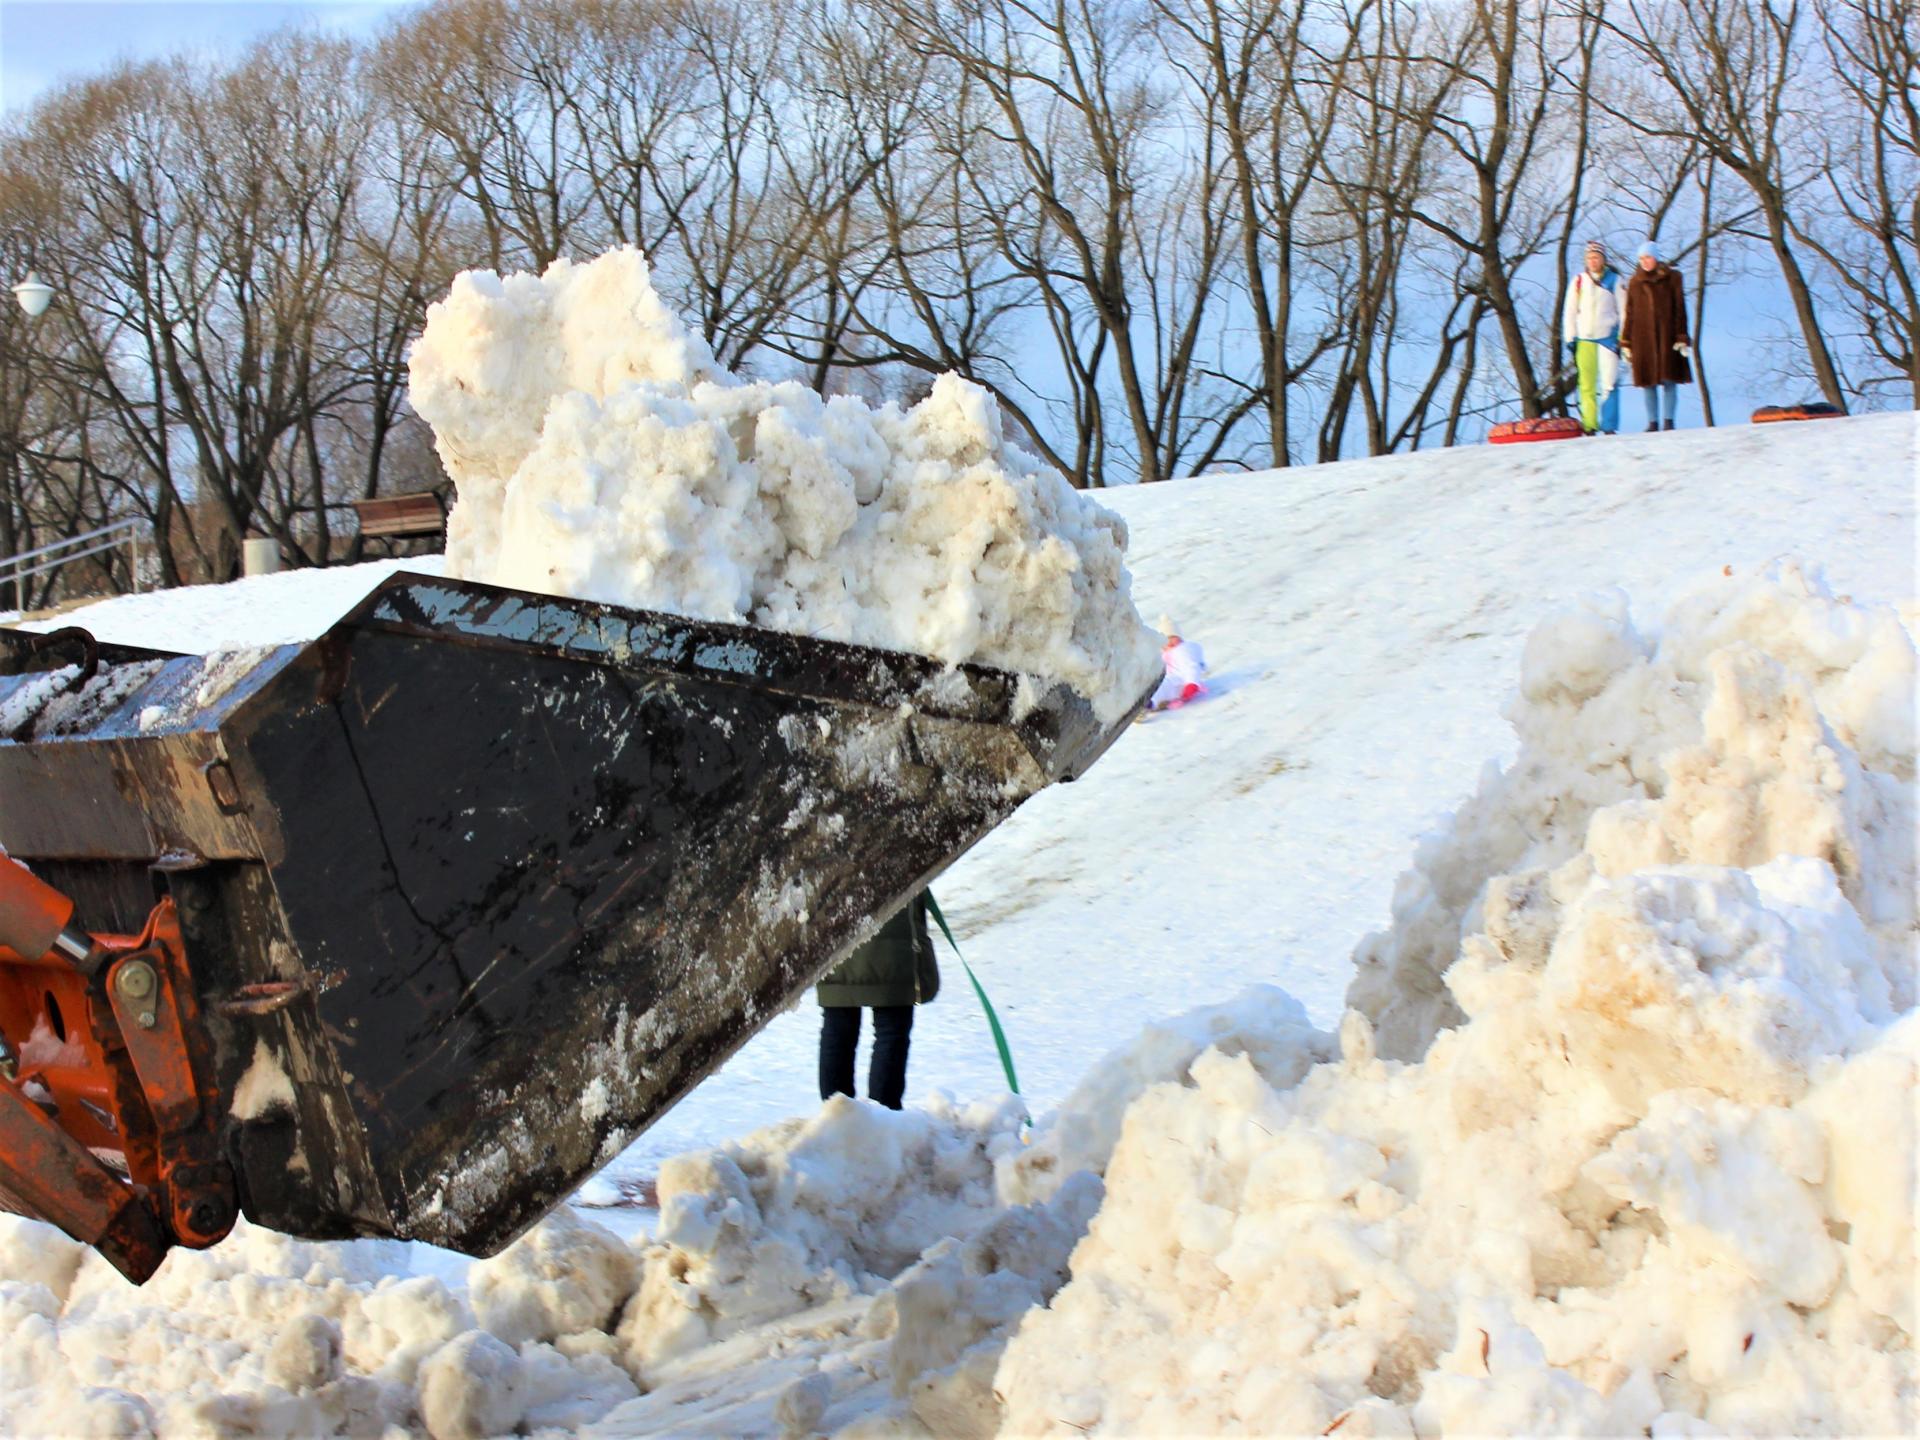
(1186, 670)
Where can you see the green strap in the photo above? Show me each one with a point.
(993, 1020)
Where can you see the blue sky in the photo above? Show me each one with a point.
(45, 41)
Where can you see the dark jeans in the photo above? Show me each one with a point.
(886, 1072)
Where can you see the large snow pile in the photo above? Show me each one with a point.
(806, 1213)
(600, 452)
(269, 1336)
(1659, 1174)
(1645, 1054)
(1646, 1165)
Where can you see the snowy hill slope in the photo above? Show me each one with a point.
(1365, 622)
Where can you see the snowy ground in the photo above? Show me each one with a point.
(1366, 624)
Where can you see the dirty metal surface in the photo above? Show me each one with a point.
(519, 871)
(568, 858)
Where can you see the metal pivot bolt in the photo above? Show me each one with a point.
(226, 791)
(137, 983)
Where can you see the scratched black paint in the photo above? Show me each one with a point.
(505, 817)
(508, 851)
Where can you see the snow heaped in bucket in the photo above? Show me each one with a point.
(599, 451)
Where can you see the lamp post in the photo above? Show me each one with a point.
(34, 295)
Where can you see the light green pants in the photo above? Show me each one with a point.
(1586, 359)
(1598, 366)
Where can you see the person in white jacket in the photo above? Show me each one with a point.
(1590, 324)
(1186, 667)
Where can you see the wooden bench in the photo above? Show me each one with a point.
(424, 512)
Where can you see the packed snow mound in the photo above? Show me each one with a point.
(564, 1277)
(1263, 1022)
(806, 1213)
(599, 451)
(265, 1335)
(1769, 718)
(1654, 1168)
(887, 1257)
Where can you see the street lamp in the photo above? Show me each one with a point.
(34, 295)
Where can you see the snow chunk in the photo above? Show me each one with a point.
(1262, 1021)
(806, 1212)
(472, 1388)
(1871, 1176)
(599, 452)
(1573, 655)
(306, 1354)
(264, 1087)
(564, 1276)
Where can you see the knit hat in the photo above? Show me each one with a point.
(1594, 247)
(1649, 249)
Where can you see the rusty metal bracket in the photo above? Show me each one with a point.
(61, 1181)
(152, 999)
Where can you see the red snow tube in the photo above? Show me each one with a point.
(1548, 427)
(1816, 410)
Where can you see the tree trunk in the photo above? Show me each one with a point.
(1825, 373)
(1700, 297)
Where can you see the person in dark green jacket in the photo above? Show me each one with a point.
(889, 975)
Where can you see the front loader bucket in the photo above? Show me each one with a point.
(474, 887)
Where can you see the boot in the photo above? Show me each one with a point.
(1666, 424)
(1652, 426)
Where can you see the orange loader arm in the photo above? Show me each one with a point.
(108, 1119)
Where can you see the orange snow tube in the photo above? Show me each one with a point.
(1814, 410)
(1547, 427)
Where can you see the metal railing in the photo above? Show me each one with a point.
(63, 552)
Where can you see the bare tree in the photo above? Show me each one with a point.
(400, 256)
(103, 157)
(1382, 165)
(1078, 209)
(1274, 96)
(1870, 170)
(1583, 66)
(1503, 63)
(1733, 70)
(493, 81)
(943, 296)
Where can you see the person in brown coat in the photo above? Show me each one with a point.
(1653, 335)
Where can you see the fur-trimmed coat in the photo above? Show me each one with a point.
(1653, 321)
